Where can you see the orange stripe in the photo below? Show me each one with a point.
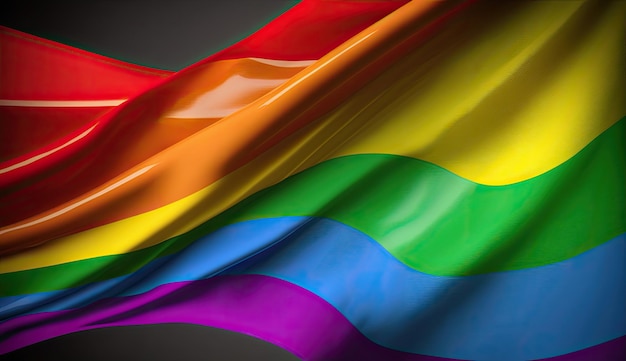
(227, 144)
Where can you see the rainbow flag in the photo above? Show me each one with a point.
(357, 180)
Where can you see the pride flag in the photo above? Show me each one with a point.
(357, 180)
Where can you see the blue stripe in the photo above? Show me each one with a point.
(513, 315)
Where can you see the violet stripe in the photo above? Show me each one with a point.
(613, 350)
(264, 307)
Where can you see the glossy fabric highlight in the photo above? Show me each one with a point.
(420, 180)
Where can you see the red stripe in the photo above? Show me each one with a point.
(312, 29)
(124, 127)
(40, 69)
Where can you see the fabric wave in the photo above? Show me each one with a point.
(387, 180)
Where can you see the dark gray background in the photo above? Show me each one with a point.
(167, 35)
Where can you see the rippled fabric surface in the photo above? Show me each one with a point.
(358, 180)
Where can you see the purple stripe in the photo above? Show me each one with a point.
(613, 350)
(264, 307)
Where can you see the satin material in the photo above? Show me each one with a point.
(131, 128)
(323, 139)
(310, 252)
(471, 224)
(549, 337)
(36, 69)
(456, 138)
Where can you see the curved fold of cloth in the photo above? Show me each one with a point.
(523, 148)
(136, 129)
(263, 307)
(427, 217)
(221, 89)
(608, 351)
(36, 69)
(360, 15)
(391, 304)
(436, 180)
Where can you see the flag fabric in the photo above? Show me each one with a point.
(358, 180)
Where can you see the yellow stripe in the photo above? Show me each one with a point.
(495, 107)
(506, 107)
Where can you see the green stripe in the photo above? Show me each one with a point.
(427, 217)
